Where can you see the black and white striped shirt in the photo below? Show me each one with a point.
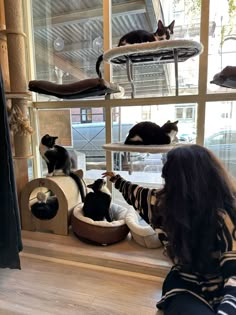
(218, 291)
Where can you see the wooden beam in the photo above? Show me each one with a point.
(128, 8)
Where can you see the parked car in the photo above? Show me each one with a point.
(223, 145)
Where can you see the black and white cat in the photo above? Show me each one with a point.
(97, 202)
(141, 36)
(58, 158)
(149, 133)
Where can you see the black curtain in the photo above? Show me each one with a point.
(10, 231)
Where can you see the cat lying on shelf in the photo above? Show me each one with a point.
(149, 133)
(141, 36)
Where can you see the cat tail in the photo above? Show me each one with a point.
(98, 63)
(80, 183)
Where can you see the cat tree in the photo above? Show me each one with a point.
(162, 52)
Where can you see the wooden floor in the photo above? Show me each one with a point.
(62, 275)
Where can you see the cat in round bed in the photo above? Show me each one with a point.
(97, 202)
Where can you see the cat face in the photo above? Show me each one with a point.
(170, 126)
(48, 141)
(98, 185)
(164, 32)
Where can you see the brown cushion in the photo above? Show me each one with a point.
(226, 78)
(80, 89)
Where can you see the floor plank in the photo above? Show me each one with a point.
(45, 287)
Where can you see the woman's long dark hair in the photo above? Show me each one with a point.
(196, 186)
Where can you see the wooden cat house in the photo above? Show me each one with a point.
(68, 196)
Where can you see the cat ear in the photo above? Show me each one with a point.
(90, 186)
(168, 121)
(171, 27)
(160, 24)
(175, 122)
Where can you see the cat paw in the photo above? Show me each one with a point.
(49, 175)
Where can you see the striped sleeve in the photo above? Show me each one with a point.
(135, 195)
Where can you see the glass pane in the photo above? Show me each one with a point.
(157, 78)
(67, 40)
(222, 41)
(220, 132)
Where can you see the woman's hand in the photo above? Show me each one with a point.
(108, 174)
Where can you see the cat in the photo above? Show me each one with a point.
(141, 36)
(97, 203)
(46, 207)
(149, 133)
(58, 158)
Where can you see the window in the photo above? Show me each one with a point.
(185, 113)
(86, 115)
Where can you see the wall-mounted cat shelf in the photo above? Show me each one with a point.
(121, 147)
(76, 90)
(165, 51)
(226, 78)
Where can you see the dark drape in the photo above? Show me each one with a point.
(10, 232)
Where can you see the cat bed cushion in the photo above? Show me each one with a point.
(100, 232)
(159, 51)
(76, 90)
(226, 78)
(141, 231)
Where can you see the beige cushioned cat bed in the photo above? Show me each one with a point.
(100, 232)
(141, 231)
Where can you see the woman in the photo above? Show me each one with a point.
(196, 210)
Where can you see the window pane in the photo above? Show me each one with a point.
(67, 40)
(220, 132)
(156, 78)
(222, 41)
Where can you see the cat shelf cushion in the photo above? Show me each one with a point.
(76, 90)
(226, 78)
(159, 51)
(141, 231)
(100, 232)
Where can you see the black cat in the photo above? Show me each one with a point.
(97, 203)
(141, 36)
(147, 133)
(58, 158)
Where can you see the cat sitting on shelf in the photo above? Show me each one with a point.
(97, 202)
(58, 158)
(149, 133)
(141, 36)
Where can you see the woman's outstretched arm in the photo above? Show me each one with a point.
(139, 197)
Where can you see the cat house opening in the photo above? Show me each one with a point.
(44, 204)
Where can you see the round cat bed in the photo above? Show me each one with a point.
(100, 232)
(141, 231)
